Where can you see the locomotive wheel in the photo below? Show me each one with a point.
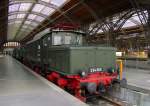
(101, 88)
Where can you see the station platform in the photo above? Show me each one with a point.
(19, 86)
(137, 64)
(137, 91)
(138, 79)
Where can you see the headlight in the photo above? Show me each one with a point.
(83, 73)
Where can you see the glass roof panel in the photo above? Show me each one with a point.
(18, 21)
(21, 15)
(129, 24)
(34, 24)
(14, 7)
(25, 29)
(12, 17)
(25, 6)
(47, 11)
(38, 8)
(58, 2)
(25, 9)
(27, 22)
(32, 16)
(46, 1)
(24, 26)
(40, 19)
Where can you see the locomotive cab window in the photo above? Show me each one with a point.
(57, 40)
(69, 38)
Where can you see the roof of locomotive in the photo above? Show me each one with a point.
(47, 31)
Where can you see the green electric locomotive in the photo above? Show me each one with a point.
(63, 57)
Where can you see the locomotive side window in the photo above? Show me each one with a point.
(57, 40)
(69, 38)
(39, 47)
(45, 41)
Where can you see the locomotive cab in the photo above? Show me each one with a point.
(63, 38)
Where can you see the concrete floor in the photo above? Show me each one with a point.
(138, 78)
(137, 92)
(137, 64)
(20, 87)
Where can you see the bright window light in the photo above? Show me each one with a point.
(27, 26)
(32, 16)
(47, 11)
(24, 26)
(18, 22)
(46, 1)
(34, 24)
(129, 24)
(25, 29)
(38, 7)
(58, 2)
(25, 6)
(27, 22)
(100, 31)
(14, 7)
(21, 15)
(11, 17)
(40, 19)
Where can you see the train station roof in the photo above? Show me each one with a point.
(21, 20)
(26, 15)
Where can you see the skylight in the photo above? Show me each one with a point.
(25, 6)
(46, 1)
(32, 16)
(12, 17)
(21, 15)
(39, 18)
(38, 8)
(27, 22)
(27, 13)
(47, 11)
(13, 8)
(58, 2)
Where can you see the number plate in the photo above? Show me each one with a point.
(95, 69)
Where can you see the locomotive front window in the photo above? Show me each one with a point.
(57, 40)
(66, 38)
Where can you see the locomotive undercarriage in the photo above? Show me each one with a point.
(82, 87)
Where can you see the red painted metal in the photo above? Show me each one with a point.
(66, 26)
(79, 96)
(53, 76)
(62, 82)
(98, 77)
(73, 82)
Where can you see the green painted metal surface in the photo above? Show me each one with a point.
(75, 59)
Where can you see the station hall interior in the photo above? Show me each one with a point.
(74, 52)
